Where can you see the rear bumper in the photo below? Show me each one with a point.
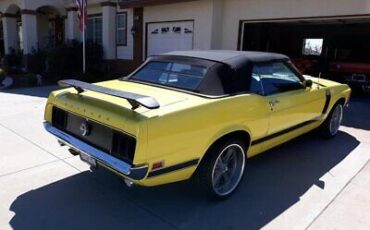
(103, 158)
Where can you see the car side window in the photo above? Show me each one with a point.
(276, 77)
(256, 84)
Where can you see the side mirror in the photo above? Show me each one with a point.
(308, 83)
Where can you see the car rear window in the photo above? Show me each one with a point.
(178, 75)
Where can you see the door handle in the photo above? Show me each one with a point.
(274, 102)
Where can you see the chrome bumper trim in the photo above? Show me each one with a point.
(101, 156)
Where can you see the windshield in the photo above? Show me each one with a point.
(178, 75)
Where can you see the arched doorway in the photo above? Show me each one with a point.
(50, 27)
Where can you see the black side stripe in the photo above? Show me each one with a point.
(173, 168)
(285, 131)
(327, 102)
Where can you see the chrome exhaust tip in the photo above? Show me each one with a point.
(128, 183)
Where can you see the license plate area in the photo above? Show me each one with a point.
(88, 159)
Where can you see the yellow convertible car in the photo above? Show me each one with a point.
(193, 114)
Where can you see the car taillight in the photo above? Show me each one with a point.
(59, 118)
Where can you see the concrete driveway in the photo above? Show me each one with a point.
(309, 183)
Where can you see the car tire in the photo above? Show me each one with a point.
(222, 169)
(330, 127)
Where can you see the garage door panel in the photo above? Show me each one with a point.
(171, 36)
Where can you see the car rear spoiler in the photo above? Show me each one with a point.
(135, 100)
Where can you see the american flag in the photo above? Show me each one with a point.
(82, 13)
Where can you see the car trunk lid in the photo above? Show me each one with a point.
(115, 111)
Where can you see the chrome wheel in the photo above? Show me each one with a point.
(228, 170)
(336, 119)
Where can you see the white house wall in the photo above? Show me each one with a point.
(216, 22)
(94, 9)
(122, 52)
(109, 32)
(71, 26)
(199, 11)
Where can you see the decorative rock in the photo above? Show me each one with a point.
(6, 83)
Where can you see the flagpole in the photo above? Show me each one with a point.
(83, 39)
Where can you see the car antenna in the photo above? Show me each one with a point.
(318, 81)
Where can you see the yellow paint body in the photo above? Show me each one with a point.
(186, 125)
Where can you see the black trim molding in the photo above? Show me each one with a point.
(29, 12)
(285, 131)
(173, 168)
(327, 102)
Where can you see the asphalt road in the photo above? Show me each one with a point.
(308, 183)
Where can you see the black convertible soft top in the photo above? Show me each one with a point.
(230, 57)
(229, 72)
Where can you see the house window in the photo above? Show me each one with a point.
(95, 29)
(122, 29)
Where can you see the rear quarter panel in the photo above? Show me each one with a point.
(187, 134)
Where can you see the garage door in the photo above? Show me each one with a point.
(337, 48)
(169, 36)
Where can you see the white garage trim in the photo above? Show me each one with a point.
(149, 24)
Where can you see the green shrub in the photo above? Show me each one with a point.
(66, 59)
(13, 60)
(36, 61)
(2, 74)
(30, 79)
(54, 63)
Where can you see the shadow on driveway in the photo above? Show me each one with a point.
(43, 91)
(273, 182)
(357, 115)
